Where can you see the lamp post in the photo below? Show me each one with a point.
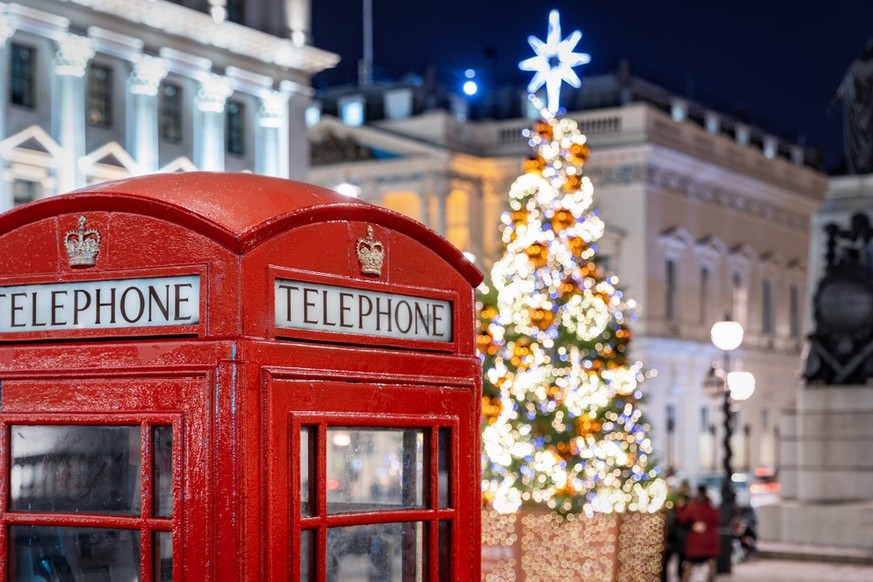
(729, 386)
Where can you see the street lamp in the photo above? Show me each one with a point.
(730, 386)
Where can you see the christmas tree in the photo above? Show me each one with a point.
(562, 425)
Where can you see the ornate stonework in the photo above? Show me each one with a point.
(73, 54)
(147, 74)
(699, 191)
(213, 93)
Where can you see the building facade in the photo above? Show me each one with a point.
(94, 90)
(706, 217)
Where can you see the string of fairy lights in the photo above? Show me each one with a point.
(562, 425)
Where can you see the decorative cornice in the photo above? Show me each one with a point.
(7, 26)
(699, 191)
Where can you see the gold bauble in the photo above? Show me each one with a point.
(518, 216)
(572, 183)
(579, 153)
(538, 255)
(562, 219)
(533, 165)
(545, 130)
(577, 246)
(587, 426)
(542, 318)
(485, 343)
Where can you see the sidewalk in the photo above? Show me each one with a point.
(767, 570)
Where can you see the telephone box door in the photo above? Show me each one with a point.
(97, 494)
(367, 494)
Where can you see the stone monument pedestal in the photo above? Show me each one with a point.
(826, 471)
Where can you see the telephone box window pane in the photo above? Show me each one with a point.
(444, 463)
(307, 468)
(73, 553)
(90, 469)
(389, 552)
(374, 469)
(163, 553)
(445, 551)
(163, 463)
(307, 547)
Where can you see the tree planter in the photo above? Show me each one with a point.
(533, 545)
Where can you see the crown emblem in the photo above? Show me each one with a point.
(371, 253)
(82, 245)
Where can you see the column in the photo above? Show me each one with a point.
(6, 31)
(272, 118)
(209, 122)
(295, 146)
(68, 107)
(297, 18)
(142, 110)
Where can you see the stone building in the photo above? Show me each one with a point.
(93, 90)
(706, 216)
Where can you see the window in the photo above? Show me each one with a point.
(671, 290)
(99, 96)
(794, 311)
(170, 113)
(96, 470)
(21, 84)
(704, 419)
(738, 299)
(235, 113)
(366, 470)
(767, 307)
(24, 191)
(704, 295)
(235, 11)
(765, 420)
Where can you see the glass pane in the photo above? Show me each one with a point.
(307, 547)
(76, 469)
(163, 464)
(387, 552)
(71, 554)
(444, 462)
(163, 553)
(307, 468)
(374, 469)
(445, 551)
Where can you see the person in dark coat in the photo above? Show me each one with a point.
(702, 543)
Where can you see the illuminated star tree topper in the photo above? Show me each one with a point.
(554, 62)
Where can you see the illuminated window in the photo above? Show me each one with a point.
(99, 96)
(352, 110)
(170, 113)
(458, 219)
(24, 191)
(21, 85)
(235, 128)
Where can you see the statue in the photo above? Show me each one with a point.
(855, 93)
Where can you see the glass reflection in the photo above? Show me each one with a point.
(375, 469)
(163, 465)
(71, 554)
(75, 469)
(307, 468)
(388, 552)
(444, 466)
(163, 554)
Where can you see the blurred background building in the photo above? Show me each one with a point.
(94, 90)
(708, 215)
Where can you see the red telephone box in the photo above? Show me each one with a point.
(232, 377)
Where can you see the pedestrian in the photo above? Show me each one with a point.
(675, 531)
(702, 543)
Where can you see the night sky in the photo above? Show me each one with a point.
(777, 62)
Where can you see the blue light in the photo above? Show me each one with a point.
(471, 88)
